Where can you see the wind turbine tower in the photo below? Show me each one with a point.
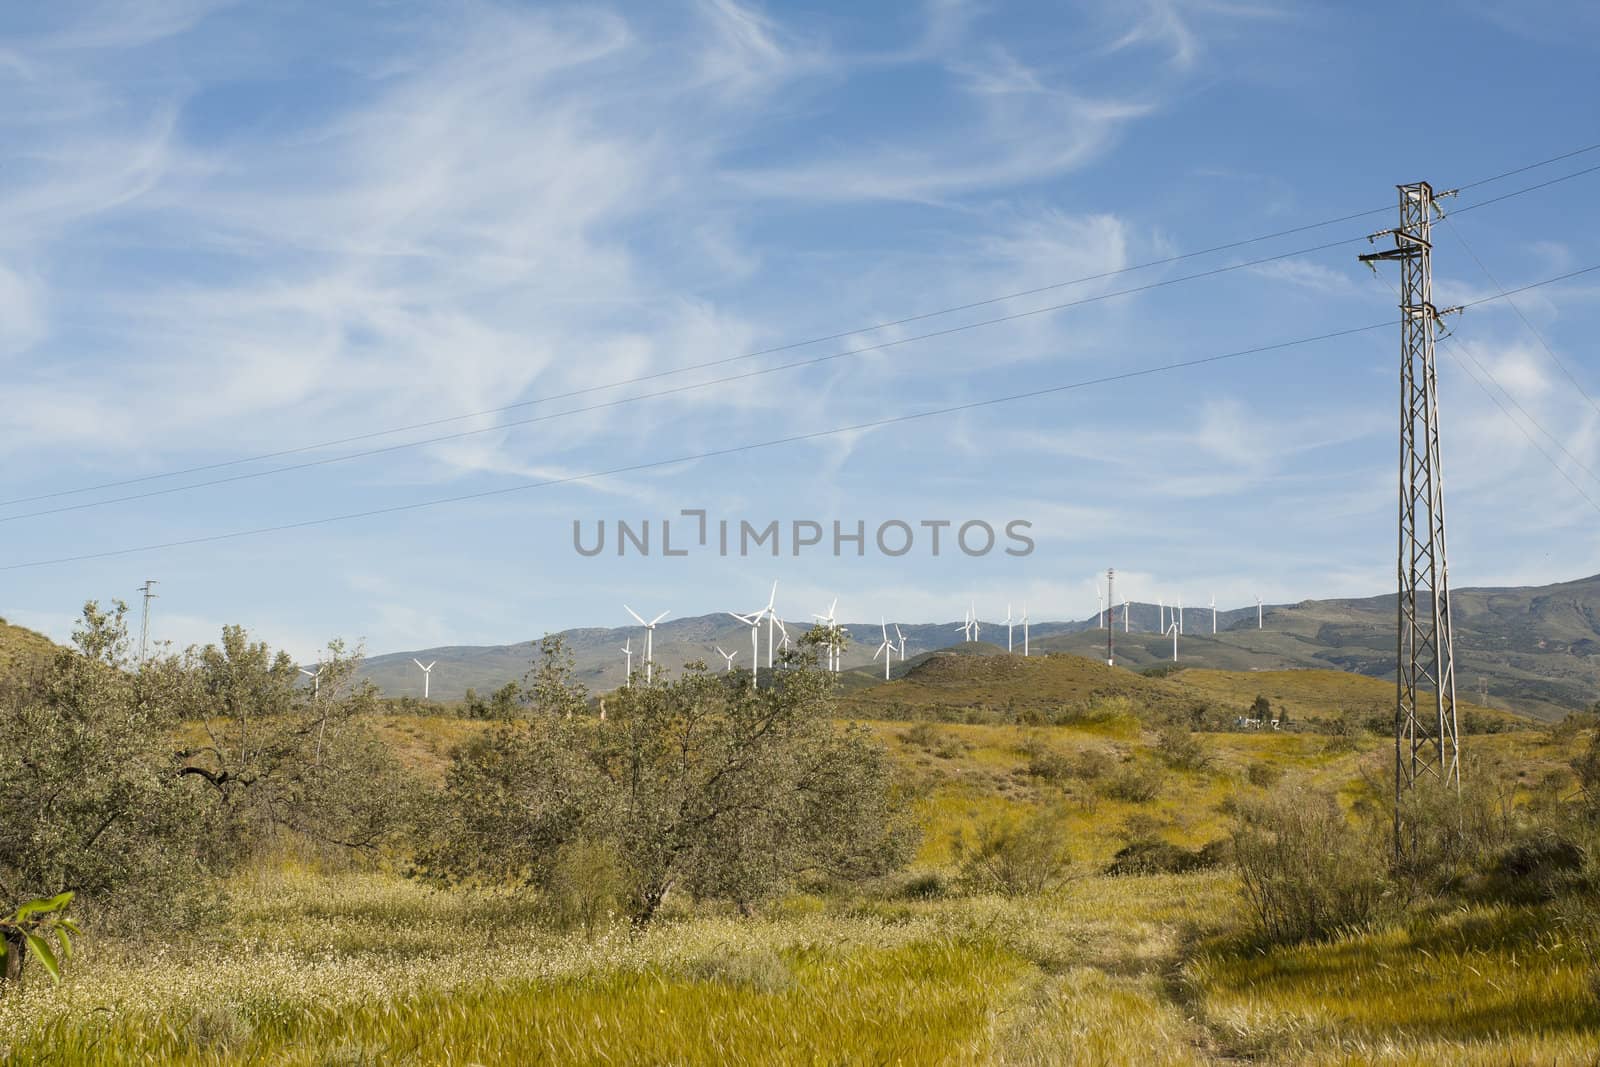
(727, 656)
(1008, 628)
(627, 650)
(1024, 629)
(886, 650)
(316, 680)
(1213, 615)
(1258, 613)
(649, 640)
(427, 676)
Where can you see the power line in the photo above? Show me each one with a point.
(1530, 166)
(694, 386)
(1520, 428)
(773, 443)
(655, 375)
(1487, 373)
(1527, 189)
(1487, 273)
(711, 454)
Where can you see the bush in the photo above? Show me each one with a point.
(1265, 775)
(1151, 855)
(1015, 856)
(925, 885)
(1182, 750)
(1304, 870)
(1134, 782)
(1539, 869)
(586, 885)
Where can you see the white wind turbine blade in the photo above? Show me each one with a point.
(418, 662)
(635, 614)
(657, 619)
(429, 667)
(878, 653)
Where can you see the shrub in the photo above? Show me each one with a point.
(1265, 775)
(1151, 855)
(1135, 783)
(1304, 870)
(586, 885)
(1048, 764)
(1538, 869)
(1015, 856)
(1182, 750)
(925, 885)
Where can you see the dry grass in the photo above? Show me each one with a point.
(358, 968)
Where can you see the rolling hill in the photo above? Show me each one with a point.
(1534, 650)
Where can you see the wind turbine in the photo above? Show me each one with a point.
(1100, 608)
(902, 638)
(316, 680)
(886, 650)
(1161, 616)
(627, 650)
(427, 675)
(727, 656)
(1173, 630)
(833, 644)
(973, 612)
(1124, 616)
(966, 626)
(784, 644)
(770, 615)
(1180, 614)
(1008, 627)
(1258, 613)
(649, 640)
(1213, 614)
(1024, 629)
(754, 622)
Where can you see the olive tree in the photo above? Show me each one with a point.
(91, 805)
(282, 755)
(702, 782)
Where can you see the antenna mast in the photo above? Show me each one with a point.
(1426, 742)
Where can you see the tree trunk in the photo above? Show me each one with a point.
(648, 901)
(16, 955)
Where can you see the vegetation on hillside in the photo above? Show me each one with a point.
(1100, 868)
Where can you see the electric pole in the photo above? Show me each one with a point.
(1426, 742)
(144, 622)
(1111, 617)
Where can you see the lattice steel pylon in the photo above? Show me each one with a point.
(1426, 742)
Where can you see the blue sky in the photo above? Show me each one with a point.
(231, 229)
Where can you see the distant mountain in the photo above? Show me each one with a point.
(1535, 650)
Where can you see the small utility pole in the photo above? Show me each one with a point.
(1111, 617)
(148, 589)
(1426, 742)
